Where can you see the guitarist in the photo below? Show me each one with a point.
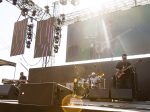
(124, 74)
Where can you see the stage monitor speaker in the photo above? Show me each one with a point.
(121, 94)
(8, 92)
(42, 93)
(98, 93)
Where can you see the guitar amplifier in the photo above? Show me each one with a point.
(98, 93)
(121, 94)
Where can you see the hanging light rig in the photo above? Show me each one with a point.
(57, 32)
(29, 35)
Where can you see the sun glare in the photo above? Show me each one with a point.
(94, 5)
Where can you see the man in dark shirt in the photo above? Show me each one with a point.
(124, 74)
(22, 77)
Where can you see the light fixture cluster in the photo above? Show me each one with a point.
(73, 2)
(57, 35)
(63, 2)
(29, 35)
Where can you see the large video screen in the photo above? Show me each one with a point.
(110, 35)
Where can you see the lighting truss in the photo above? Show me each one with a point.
(108, 7)
(31, 6)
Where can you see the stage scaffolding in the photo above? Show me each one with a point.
(106, 7)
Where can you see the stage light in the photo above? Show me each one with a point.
(24, 11)
(56, 48)
(30, 27)
(47, 9)
(58, 29)
(59, 21)
(75, 2)
(14, 2)
(56, 38)
(63, 2)
(62, 18)
(29, 35)
(28, 44)
(34, 13)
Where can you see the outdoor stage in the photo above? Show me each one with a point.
(85, 106)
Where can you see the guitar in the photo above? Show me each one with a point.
(120, 73)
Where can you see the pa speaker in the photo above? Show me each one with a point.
(42, 93)
(8, 92)
(121, 93)
(98, 93)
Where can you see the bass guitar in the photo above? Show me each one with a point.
(121, 72)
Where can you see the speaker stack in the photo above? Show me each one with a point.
(98, 94)
(121, 94)
(42, 93)
(8, 92)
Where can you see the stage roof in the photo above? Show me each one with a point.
(7, 63)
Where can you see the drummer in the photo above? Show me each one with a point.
(93, 79)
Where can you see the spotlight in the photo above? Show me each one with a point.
(14, 2)
(56, 39)
(59, 21)
(63, 2)
(75, 2)
(29, 37)
(30, 27)
(63, 17)
(58, 29)
(24, 11)
(46, 9)
(28, 44)
(56, 48)
(34, 13)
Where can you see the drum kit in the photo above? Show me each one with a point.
(81, 86)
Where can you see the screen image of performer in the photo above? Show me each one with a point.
(124, 74)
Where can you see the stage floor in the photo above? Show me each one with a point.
(83, 104)
(115, 106)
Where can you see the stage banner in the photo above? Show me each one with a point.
(19, 34)
(44, 34)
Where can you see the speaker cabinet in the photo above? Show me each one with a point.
(42, 93)
(121, 94)
(8, 92)
(98, 93)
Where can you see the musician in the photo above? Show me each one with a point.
(22, 78)
(124, 74)
(93, 80)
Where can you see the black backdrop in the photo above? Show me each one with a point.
(64, 74)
